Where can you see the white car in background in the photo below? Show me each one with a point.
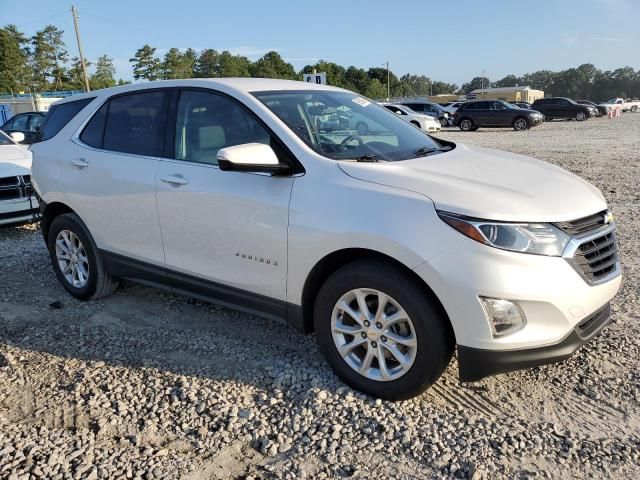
(452, 107)
(17, 203)
(424, 122)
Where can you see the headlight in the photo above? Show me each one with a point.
(534, 238)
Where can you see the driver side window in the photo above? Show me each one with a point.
(207, 122)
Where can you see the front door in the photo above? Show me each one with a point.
(227, 231)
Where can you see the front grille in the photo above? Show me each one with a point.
(9, 182)
(10, 193)
(12, 188)
(582, 225)
(597, 258)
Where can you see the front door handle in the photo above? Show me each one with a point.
(79, 162)
(174, 180)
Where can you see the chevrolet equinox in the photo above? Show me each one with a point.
(395, 248)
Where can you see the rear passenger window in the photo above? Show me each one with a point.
(92, 133)
(135, 124)
(59, 116)
(207, 122)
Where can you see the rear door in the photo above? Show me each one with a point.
(109, 174)
(227, 231)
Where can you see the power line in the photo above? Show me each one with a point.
(42, 19)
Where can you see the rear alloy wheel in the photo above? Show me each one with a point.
(380, 331)
(520, 124)
(466, 125)
(581, 116)
(76, 260)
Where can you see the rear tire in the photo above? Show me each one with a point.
(466, 125)
(427, 329)
(70, 243)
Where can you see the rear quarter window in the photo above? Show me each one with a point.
(59, 116)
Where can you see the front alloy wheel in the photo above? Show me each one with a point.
(374, 334)
(581, 116)
(520, 124)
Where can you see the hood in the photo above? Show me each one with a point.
(426, 117)
(14, 160)
(488, 184)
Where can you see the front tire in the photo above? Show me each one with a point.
(520, 124)
(76, 260)
(380, 331)
(634, 109)
(581, 116)
(444, 122)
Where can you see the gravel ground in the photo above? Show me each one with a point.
(146, 384)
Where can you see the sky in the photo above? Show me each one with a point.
(445, 40)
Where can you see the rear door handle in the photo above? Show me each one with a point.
(79, 162)
(174, 180)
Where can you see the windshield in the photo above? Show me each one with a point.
(346, 126)
(6, 139)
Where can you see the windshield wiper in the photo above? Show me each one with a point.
(424, 151)
(368, 158)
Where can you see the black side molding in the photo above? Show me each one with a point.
(127, 268)
(475, 363)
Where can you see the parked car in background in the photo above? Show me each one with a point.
(564, 108)
(525, 105)
(17, 202)
(425, 122)
(396, 250)
(431, 109)
(625, 105)
(453, 106)
(27, 123)
(602, 109)
(494, 113)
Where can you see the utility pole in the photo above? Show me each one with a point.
(388, 84)
(482, 83)
(74, 12)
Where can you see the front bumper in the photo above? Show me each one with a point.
(18, 212)
(476, 363)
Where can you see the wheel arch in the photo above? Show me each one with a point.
(50, 212)
(333, 261)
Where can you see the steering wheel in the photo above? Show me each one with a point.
(345, 142)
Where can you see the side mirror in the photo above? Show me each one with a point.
(17, 137)
(250, 157)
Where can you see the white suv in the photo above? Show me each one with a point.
(394, 247)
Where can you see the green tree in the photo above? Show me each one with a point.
(509, 81)
(74, 77)
(233, 65)
(376, 90)
(14, 66)
(272, 65)
(145, 64)
(207, 64)
(439, 88)
(104, 76)
(48, 59)
(475, 84)
(177, 64)
(357, 79)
